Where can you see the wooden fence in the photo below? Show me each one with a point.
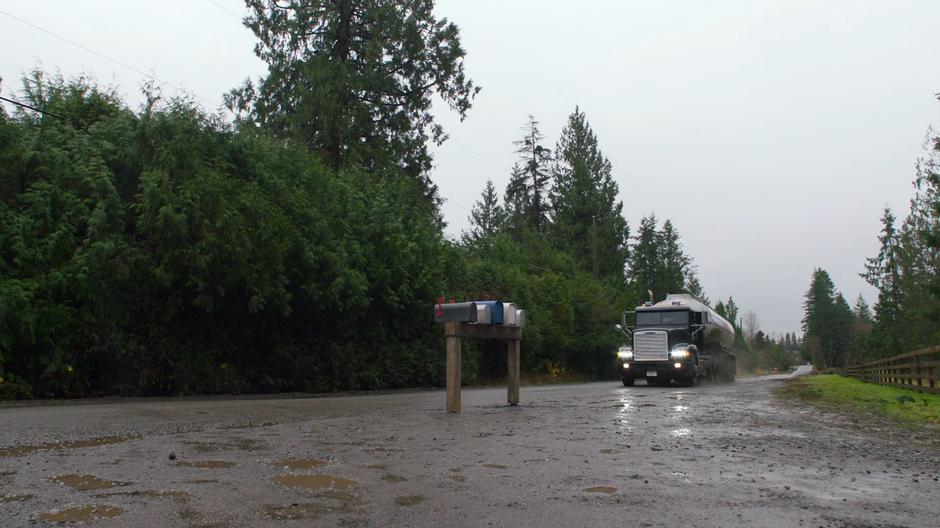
(918, 370)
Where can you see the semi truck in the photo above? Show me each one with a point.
(678, 339)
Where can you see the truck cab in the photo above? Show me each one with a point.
(679, 339)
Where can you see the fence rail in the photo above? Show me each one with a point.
(918, 370)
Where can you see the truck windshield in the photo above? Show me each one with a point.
(672, 317)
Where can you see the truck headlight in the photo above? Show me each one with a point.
(625, 353)
(680, 352)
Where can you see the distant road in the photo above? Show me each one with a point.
(597, 454)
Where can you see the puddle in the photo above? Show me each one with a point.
(495, 466)
(207, 464)
(300, 463)
(681, 433)
(409, 500)
(81, 514)
(393, 478)
(16, 498)
(457, 478)
(609, 451)
(601, 489)
(86, 482)
(314, 482)
(74, 444)
(377, 466)
(201, 481)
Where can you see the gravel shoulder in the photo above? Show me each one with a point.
(576, 455)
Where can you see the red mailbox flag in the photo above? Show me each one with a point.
(440, 309)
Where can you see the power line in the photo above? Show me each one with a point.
(223, 8)
(109, 59)
(33, 108)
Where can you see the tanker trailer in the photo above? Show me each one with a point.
(679, 338)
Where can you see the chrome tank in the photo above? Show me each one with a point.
(717, 328)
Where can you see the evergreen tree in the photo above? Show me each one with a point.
(525, 198)
(720, 309)
(676, 266)
(645, 263)
(587, 219)
(486, 217)
(732, 310)
(355, 80)
(883, 271)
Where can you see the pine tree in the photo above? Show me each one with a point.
(819, 308)
(732, 310)
(355, 80)
(675, 264)
(486, 217)
(525, 196)
(883, 271)
(587, 219)
(645, 263)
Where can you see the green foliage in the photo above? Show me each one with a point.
(526, 206)
(905, 271)
(658, 262)
(163, 252)
(569, 315)
(587, 219)
(827, 323)
(355, 80)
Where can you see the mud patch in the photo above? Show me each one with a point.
(74, 444)
(202, 481)
(393, 478)
(231, 444)
(609, 451)
(458, 478)
(294, 511)
(81, 514)
(86, 482)
(601, 489)
(495, 466)
(314, 482)
(377, 466)
(176, 496)
(16, 498)
(409, 500)
(207, 464)
(300, 463)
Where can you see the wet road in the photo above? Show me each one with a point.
(577, 455)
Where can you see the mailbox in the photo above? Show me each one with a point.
(520, 318)
(510, 314)
(485, 313)
(495, 312)
(465, 312)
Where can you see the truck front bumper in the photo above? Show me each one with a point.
(656, 369)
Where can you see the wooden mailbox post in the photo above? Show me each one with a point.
(454, 331)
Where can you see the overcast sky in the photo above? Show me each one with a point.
(771, 133)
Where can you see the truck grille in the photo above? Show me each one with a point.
(651, 345)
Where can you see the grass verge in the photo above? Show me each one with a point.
(838, 392)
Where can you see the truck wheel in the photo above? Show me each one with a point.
(628, 382)
(727, 370)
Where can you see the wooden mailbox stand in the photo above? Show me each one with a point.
(454, 332)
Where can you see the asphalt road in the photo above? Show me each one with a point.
(576, 455)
